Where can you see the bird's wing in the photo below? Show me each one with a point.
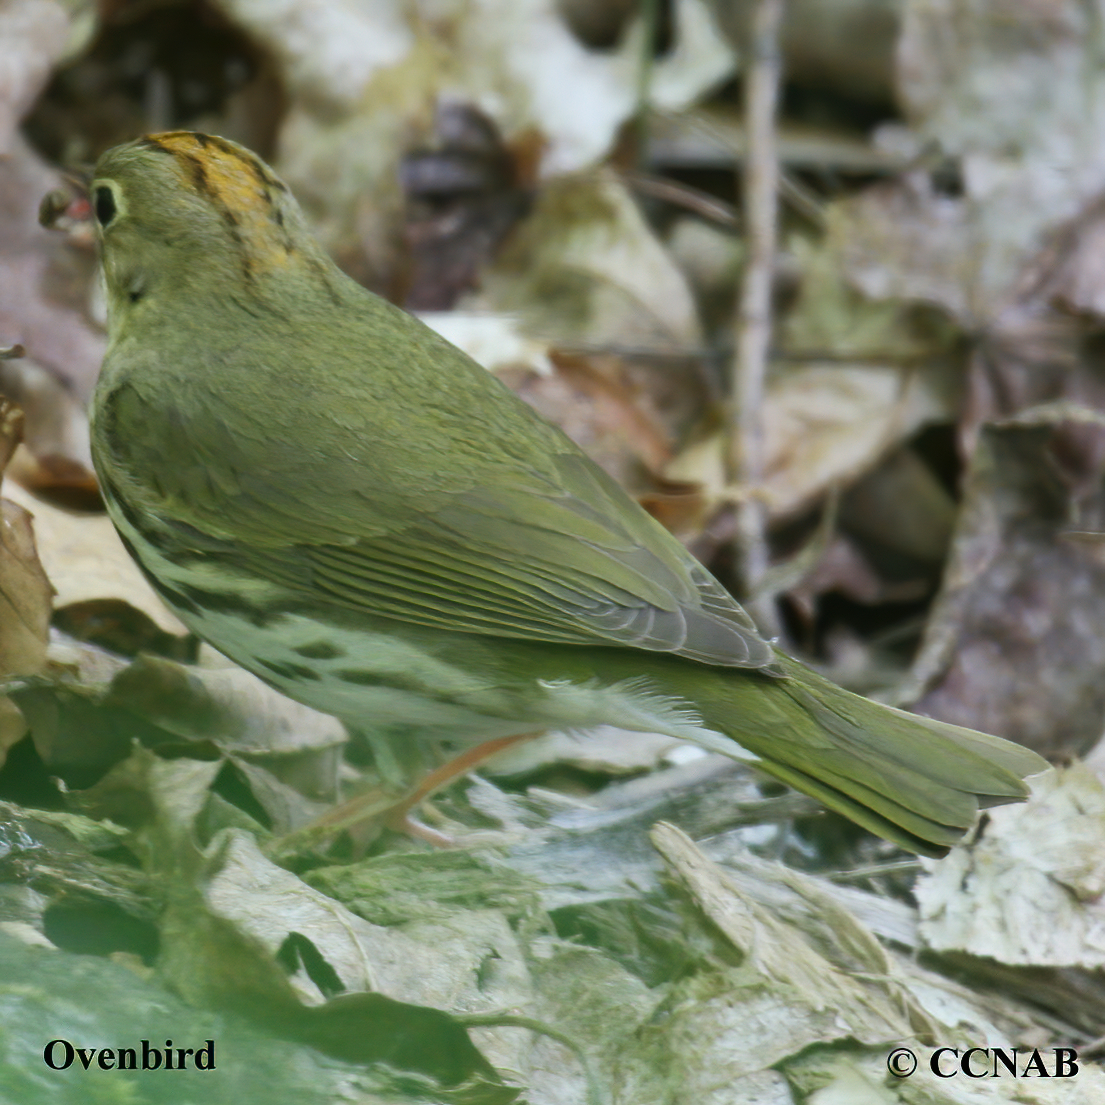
(481, 518)
(517, 564)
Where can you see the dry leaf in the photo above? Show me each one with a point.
(85, 559)
(788, 964)
(366, 82)
(825, 425)
(57, 452)
(1030, 890)
(225, 704)
(25, 595)
(585, 268)
(1015, 644)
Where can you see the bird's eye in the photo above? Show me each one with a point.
(104, 203)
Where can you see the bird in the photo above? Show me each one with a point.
(351, 508)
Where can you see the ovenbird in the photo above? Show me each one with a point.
(348, 506)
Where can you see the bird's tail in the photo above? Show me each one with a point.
(917, 782)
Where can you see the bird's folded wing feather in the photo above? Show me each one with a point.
(511, 563)
(523, 565)
(518, 535)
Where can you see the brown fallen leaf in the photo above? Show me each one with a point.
(824, 426)
(26, 596)
(55, 457)
(1015, 644)
(598, 404)
(85, 559)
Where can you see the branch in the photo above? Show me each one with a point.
(753, 323)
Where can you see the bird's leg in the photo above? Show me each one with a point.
(399, 816)
(379, 804)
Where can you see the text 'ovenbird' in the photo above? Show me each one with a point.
(348, 506)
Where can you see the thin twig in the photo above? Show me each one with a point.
(801, 199)
(683, 195)
(753, 338)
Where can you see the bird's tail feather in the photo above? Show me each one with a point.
(910, 779)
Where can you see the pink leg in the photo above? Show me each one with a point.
(379, 806)
(399, 816)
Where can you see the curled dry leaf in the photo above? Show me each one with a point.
(1029, 891)
(824, 425)
(26, 597)
(785, 958)
(585, 269)
(56, 456)
(244, 901)
(24, 587)
(280, 758)
(85, 560)
(1015, 644)
(227, 705)
(287, 754)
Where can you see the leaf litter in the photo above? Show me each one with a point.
(935, 373)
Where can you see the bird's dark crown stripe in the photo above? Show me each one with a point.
(151, 142)
(241, 188)
(197, 172)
